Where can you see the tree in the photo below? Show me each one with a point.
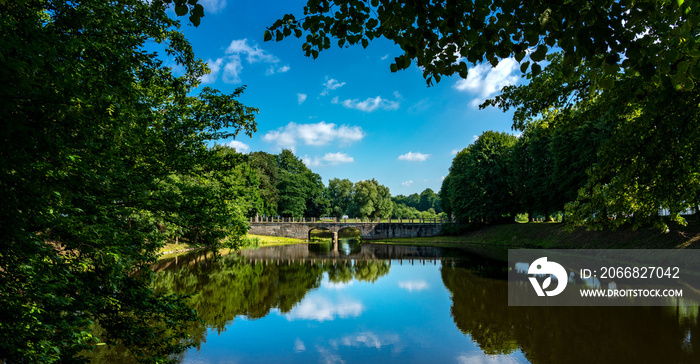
(301, 192)
(637, 145)
(657, 40)
(213, 201)
(266, 167)
(371, 199)
(479, 181)
(92, 124)
(339, 192)
(401, 211)
(629, 65)
(429, 200)
(446, 196)
(317, 204)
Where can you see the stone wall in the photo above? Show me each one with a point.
(368, 231)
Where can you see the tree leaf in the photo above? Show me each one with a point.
(181, 9)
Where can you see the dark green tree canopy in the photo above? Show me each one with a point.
(478, 187)
(339, 193)
(657, 39)
(93, 127)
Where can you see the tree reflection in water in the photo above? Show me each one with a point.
(222, 288)
(569, 334)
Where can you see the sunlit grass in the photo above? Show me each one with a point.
(265, 240)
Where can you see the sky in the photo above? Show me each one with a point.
(345, 114)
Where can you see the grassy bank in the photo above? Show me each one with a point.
(171, 249)
(555, 236)
(263, 240)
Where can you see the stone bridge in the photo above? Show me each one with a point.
(368, 230)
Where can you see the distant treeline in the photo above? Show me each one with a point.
(288, 188)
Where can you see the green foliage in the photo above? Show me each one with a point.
(625, 70)
(212, 202)
(228, 287)
(339, 193)
(96, 132)
(480, 310)
(426, 200)
(266, 167)
(657, 39)
(371, 200)
(478, 187)
(617, 156)
(401, 211)
(301, 192)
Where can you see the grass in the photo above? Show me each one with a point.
(274, 240)
(494, 241)
(250, 240)
(555, 236)
(171, 248)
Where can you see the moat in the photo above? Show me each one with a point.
(362, 303)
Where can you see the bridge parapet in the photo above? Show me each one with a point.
(368, 230)
(265, 219)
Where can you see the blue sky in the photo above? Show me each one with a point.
(345, 114)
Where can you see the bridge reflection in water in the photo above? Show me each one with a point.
(346, 250)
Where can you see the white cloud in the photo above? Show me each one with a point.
(455, 151)
(475, 137)
(252, 52)
(384, 57)
(319, 308)
(414, 285)
(414, 157)
(336, 158)
(301, 98)
(272, 70)
(232, 63)
(369, 340)
(212, 6)
(328, 159)
(232, 69)
(215, 67)
(317, 134)
(407, 183)
(299, 346)
(479, 358)
(330, 85)
(421, 105)
(484, 81)
(240, 147)
(337, 285)
(326, 357)
(368, 105)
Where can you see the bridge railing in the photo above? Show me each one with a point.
(354, 220)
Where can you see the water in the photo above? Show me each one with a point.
(376, 303)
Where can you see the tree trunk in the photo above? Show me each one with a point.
(547, 216)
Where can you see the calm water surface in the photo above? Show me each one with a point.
(375, 303)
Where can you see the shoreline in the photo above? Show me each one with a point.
(516, 236)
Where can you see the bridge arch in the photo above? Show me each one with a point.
(320, 229)
(348, 231)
